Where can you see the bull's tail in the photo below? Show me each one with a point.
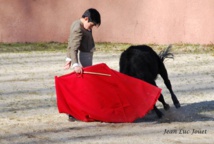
(166, 53)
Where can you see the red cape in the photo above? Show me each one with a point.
(115, 98)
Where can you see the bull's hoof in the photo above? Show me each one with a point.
(159, 114)
(166, 107)
(177, 105)
(176, 102)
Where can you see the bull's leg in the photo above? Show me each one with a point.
(165, 105)
(158, 112)
(164, 75)
(174, 98)
(161, 98)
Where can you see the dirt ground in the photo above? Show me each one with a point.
(29, 115)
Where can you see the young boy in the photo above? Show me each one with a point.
(81, 40)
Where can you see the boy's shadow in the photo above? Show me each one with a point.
(201, 111)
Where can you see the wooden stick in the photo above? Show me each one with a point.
(96, 73)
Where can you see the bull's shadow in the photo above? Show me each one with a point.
(201, 111)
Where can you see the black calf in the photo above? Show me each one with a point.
(143, 63)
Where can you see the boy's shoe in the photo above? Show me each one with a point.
(71, 118)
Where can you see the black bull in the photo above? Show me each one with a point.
(142, 62)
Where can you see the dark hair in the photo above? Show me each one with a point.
(93, 16)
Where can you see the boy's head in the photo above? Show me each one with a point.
(92, 16)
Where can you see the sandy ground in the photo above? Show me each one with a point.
(29, 115)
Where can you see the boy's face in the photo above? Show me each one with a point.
(87, 25)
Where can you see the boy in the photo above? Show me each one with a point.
(81, 40)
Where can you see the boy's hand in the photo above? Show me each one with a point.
(67, 65)
(78, 69)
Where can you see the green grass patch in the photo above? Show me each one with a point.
(101, 47)
(29, 47)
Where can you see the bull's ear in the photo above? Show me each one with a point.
(86, 19)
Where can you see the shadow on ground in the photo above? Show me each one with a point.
(201, 111)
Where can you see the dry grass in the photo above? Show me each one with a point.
(101, 47)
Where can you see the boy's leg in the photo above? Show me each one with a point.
(85, 58)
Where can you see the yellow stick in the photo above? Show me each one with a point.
(96, 73)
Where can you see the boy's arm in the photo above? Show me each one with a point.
(74, 44)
